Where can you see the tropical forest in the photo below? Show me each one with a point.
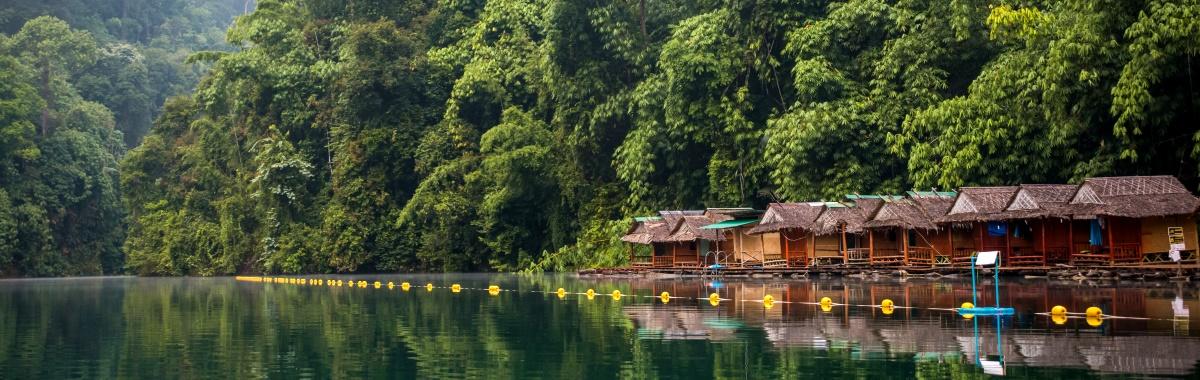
(218, 137)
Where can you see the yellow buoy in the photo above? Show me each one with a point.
(456, 288)
(1095, 321)
(966, 305)
(826, 301)
(1093, 312)
(665, 297)
(887, 303)
(362, 284)
(562, 293)
(405, 286)
(768, 301)
(1058, 319)
(590, 294)
(616, 295)
(429, 287)
(378, 285)
(391, 285)
(1059, 310)
(494, 290)
(888, 310)
(714, 299)
(826, 307)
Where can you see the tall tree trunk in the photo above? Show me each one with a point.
(642, 18)
(47, 96)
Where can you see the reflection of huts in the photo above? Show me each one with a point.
(979, 212)
(791, 224)
(1135, 219)
(839, 233)
(675, 323)
(902, 230)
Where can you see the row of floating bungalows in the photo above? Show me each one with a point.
(1102, 221)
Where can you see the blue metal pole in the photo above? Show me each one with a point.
(996, 279)
(974, 290)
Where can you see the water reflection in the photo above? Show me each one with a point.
(189, 328)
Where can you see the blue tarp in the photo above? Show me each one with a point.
(997, 228)
(1095, 237)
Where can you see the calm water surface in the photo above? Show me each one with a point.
(222, 328)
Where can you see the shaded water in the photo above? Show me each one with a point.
(222, 328)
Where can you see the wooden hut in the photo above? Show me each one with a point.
(839, 234)
(1134, 219)
(902, 231)
(739, 247)
(977, 222)
(791, 224)
(1041, 210)
(651, 231)
(691, 243)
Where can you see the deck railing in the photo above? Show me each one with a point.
(920, 256)
(858, 255)
(662, 261)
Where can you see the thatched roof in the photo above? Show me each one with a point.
(916, 212)
(781, 216)
(646, 232)
(1133, 197)
(976, 204)
(853, 216)
(1034, 201)
(689, 230)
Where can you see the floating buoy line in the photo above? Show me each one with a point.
(1094, 316)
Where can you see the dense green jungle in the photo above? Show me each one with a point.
(193, 137)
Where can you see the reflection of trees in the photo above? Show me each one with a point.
(204, 328)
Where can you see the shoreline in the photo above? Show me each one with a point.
(1158, 274)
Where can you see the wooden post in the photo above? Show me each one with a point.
(871, 246)
(783, 240)
(979, 244)
(674, 248)
(1070, 238)
(1044, 253)
(813, 238)
(845, 250)
(1008, 230)
(1112, 259)
(905, 247)
(950, 238)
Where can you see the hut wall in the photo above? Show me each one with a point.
(771, 244)
(749, 247)
(985, 241)
(1056, 233)
(939, 240)
(1154, 232)
(686, 250)
(887, 241)
(964, 238)
(661, 249)
(1124, 230)
(796, 242)
(828, 245)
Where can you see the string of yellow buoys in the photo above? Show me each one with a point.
(1094, 316)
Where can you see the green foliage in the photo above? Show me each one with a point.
(523, 134)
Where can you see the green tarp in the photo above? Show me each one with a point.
(730, 224)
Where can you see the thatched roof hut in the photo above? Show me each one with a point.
(910, 213)
(1132, 197)
(979, 204)
(647, 230)
(689, 229)
(1040, 200)
(853, 216)
(781, 216)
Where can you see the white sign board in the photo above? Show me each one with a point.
(986, 258)
(1174, 254)
(992, 367)
(1177, 247)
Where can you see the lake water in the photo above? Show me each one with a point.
(224, 328)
